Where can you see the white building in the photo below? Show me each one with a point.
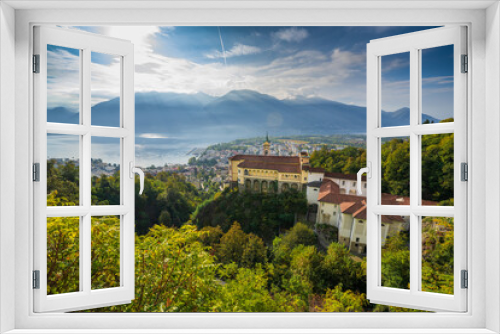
(332, 197)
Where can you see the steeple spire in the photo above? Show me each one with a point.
(266, 146)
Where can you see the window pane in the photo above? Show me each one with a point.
(63, 255)
(437, 169)
(395, 95)
(105, 171)
(105, 252)
(63, 170)
(437, 254)
(63, 85)
(395, 171)
(437, 84)
(105, 89)
(395, 234)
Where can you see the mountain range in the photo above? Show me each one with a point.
(237, 114)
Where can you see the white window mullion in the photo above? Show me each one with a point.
(85, 181)
(414, 170)
(127, 177)
(405, 210)
(373, 158)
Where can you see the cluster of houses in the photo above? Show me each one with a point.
(331, 197)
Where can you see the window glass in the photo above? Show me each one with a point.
(395, 243)
(395, 95)
(63, 255)
(105, 252)
(105, 89)
(437, 84)
(438, 169)
(437, 254)
(106, 156)
(63, 84)
(63, 170)
(395, 171)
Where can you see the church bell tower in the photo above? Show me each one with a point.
(266, 145)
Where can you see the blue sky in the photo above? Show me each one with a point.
(285, 62)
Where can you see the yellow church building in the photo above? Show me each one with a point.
(266, 173)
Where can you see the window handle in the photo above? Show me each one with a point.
(366, 170)
(136, 170)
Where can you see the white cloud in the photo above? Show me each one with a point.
(237, 50)
(292, 34)
(152, 136)
(63, 79)
(338, 75)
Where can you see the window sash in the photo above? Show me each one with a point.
(85, 298)
(413, 43)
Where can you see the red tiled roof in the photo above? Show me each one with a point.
(267, 158)
(352, 177)
(390, 219)
(329, 193)
(282, 168)
(313, 169)
(360, 213)
(388, 199)
(327, 187)
(353, 208)
(345, 205)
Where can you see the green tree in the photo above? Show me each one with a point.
(337, 300)
(396, 262)
(255, 251)
(339, 268)
(232, 245)
(300, 234)
(305, 262)
(437, 254)
(174, 273)
(211, 236)
(262, 214)
(396, 167)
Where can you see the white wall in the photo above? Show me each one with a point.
(358, 231)
(492, 149)
(345, 226)
(312, 195)
(311, 177)
(328, 209)
(7, 170)
(349, 186)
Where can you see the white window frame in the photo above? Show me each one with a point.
(85, 297)
(482, 316)
(412, 44)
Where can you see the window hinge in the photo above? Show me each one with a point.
(36, 63)
(36, 279)
(464, 171)
(465, 63)
(465, 279)
(36, 172)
